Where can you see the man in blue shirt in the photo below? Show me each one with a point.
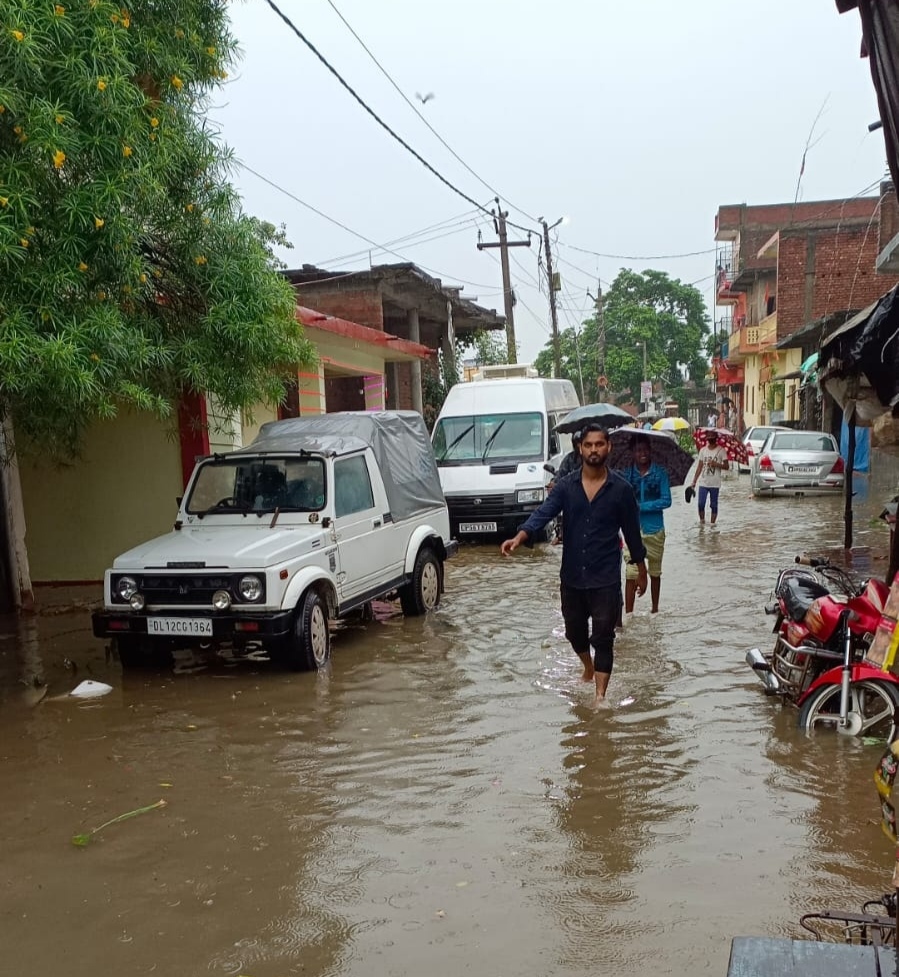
(596, 504)
(653, 490)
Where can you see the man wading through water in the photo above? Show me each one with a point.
(595, 504)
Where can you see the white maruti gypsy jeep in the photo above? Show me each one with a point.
(316, 518)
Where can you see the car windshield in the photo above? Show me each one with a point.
(258, 484)
(489, 438)
(801, 441)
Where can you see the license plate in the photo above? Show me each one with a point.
(477, 527)
(180, 625)
(802, 469)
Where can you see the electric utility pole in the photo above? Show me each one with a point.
(499, 224)
(602, 384)
(553, 288)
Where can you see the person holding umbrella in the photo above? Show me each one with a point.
(652, 488)
(712, 461)
(596, 505)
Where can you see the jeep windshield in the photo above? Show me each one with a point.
(254, 485)
(489, 438)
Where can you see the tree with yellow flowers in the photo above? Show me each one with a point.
(128, 270)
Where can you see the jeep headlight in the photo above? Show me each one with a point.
(250, 588)
(126, 587)
(530, 495)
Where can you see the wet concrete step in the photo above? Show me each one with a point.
(752, 956)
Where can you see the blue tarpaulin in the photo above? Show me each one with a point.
(862, 447)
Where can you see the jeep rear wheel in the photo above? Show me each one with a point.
(309, 646)
(422, 593)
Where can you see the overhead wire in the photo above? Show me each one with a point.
(293, 27)
(362, 237)
(412, 106)
(411, 243)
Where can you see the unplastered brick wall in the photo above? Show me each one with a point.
(361, 305)
(826, 270)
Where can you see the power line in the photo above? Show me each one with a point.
(371, 111)
(362, 237)
(640, 257)
(408, 241)
(412, 106)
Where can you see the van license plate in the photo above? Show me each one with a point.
(180, 625)
(477, 527)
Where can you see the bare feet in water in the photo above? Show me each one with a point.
(601, 703)
(588, 675)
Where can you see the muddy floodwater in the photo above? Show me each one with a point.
(441, 800)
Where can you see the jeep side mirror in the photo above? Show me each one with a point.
(178, 500)
(326, 522)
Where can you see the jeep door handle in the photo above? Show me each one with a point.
(376, 524)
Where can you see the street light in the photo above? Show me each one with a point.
(645, 378)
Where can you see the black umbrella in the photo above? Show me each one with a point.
(606, 414)
(663, 449)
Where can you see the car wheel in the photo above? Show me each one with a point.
(422, 593)
(309, 645)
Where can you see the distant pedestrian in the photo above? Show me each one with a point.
(712, 418)
(653, 490)
(712, 461)
(596, 504)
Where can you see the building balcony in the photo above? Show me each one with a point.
(742, 342)
(768, 331)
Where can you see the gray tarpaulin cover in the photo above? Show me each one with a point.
(399, 440)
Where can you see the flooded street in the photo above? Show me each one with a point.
(442, 800)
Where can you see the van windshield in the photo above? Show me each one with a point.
(489, 438)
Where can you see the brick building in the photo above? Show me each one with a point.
(400, 299)
(783, 271)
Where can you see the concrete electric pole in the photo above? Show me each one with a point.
(602, 384)
(499, 223)
(551, 281)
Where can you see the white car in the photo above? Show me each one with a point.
(798, 463)
(318, 517)
(754, 438)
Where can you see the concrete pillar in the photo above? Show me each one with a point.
(415, 336)
(17, 555)
(311, 390)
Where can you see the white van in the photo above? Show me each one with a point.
(491, 441)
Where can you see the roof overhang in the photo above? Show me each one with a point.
(391, 348)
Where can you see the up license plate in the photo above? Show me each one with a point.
(180, 626)
(477, 527)
(802, 469)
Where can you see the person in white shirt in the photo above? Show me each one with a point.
(712, 461)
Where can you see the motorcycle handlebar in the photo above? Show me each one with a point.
(811, 561)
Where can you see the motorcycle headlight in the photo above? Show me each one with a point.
(530, 495)
(250, 588)
(221, 600)
(126, 587)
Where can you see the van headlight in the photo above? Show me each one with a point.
(126, 587)
(530, 495)
(250, 588)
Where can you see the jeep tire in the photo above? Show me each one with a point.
(422, 593)
(309, 645)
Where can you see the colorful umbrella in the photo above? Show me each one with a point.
(608, 415)
(671, 424)
(736, 450)
(663, 448)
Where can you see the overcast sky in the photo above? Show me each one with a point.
(635, 120)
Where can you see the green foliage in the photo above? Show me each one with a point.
(685, 440)
(648, 307)
(436, 379)
(128, 271)
(490, 348)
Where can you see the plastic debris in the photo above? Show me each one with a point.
(628, 700)
(89, 689)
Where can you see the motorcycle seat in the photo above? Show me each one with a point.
(799, 593)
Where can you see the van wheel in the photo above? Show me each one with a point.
(422, 593)
(309, 646)
(135, 651)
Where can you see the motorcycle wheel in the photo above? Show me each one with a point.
(873, 709)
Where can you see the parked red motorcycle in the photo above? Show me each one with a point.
(825, 623)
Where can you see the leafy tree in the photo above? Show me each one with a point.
(128, 271)
(489, 347)
(648, 307)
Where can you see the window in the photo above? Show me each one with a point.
(352, 486)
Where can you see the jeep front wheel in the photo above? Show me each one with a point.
(422, 593)
(309, 646)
